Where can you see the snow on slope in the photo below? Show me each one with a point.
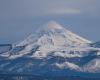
(52, 47)
(96, 44)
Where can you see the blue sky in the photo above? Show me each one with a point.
(20, 18)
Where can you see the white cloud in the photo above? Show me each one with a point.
(61, 11)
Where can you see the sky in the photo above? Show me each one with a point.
(20, 18)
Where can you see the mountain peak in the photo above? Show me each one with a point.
(54, 32)
(53, 25)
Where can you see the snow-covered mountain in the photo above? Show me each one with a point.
(58, 34)
(52, 50)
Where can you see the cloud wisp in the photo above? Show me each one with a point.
(61, 11)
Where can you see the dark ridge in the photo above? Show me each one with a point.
(5, 48)
(34, 77)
